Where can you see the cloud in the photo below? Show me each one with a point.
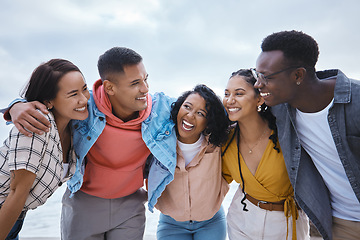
(183, 42)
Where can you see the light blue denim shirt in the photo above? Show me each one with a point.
(344, 120)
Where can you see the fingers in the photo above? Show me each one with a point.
(33, 121)
(28, 120)
(41, 107)
(30, 125)
(22, 130)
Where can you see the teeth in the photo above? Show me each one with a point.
(264, 94)
(187, 125)
(233, 109)
(80, 109)
(141, 98)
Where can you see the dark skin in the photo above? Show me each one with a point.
(296, 86)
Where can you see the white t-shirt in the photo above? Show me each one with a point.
(315, 137)
(189, 151)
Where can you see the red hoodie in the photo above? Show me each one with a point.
(116, 161)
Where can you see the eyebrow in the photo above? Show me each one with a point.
(188, 103)
(199, 109)
(136, 80)
(237, 89)
(74, 91)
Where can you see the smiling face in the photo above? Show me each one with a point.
(240, 99)
(191, 119)
(71, 99)
(281, 87)
(128, 91)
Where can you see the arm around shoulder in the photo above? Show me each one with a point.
(27, 119)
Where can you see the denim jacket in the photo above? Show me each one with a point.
(159, 135)
(157, 132)
(310, 190)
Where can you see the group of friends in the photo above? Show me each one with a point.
(290, 136)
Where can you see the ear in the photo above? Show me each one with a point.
(109, 87)
(260, 101)
(48, 105)
(299, 75)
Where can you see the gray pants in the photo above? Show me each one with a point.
(86, 217)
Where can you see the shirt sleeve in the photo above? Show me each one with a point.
(5, 111)
(26, 152)
(226, 173)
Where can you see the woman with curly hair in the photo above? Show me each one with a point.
(191, 204)
(263, 206)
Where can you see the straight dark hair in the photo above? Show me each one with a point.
(43, 83)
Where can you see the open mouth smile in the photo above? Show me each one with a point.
(187, 126)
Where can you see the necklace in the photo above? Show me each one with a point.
(257, 142)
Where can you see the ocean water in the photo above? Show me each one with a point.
(45, 220)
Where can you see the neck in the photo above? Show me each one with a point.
(125, 117)
(120, 113)
(64, 129)
(314, 95)
(251, 130)
(62, 124)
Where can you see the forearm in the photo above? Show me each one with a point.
(5, 111)
(10, 211)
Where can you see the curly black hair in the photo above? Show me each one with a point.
(299, 48)
(217, 121)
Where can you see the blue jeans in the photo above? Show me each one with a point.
(212, 229)
(14, 232)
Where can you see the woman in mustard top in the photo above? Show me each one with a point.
(263, 206)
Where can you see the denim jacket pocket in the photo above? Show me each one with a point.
(165, 131)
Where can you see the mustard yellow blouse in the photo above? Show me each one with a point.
(271, 181)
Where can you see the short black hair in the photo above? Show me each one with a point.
(43, 83)
(298, 48)
(114, 60)
(217, 121)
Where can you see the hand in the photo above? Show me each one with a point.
(27, 119)
(20, 184)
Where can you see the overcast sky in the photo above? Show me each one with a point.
(183, 42)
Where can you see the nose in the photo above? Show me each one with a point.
(84, 97)
(230, 99)
(191, 114)
(144, 88)
(259, 83)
